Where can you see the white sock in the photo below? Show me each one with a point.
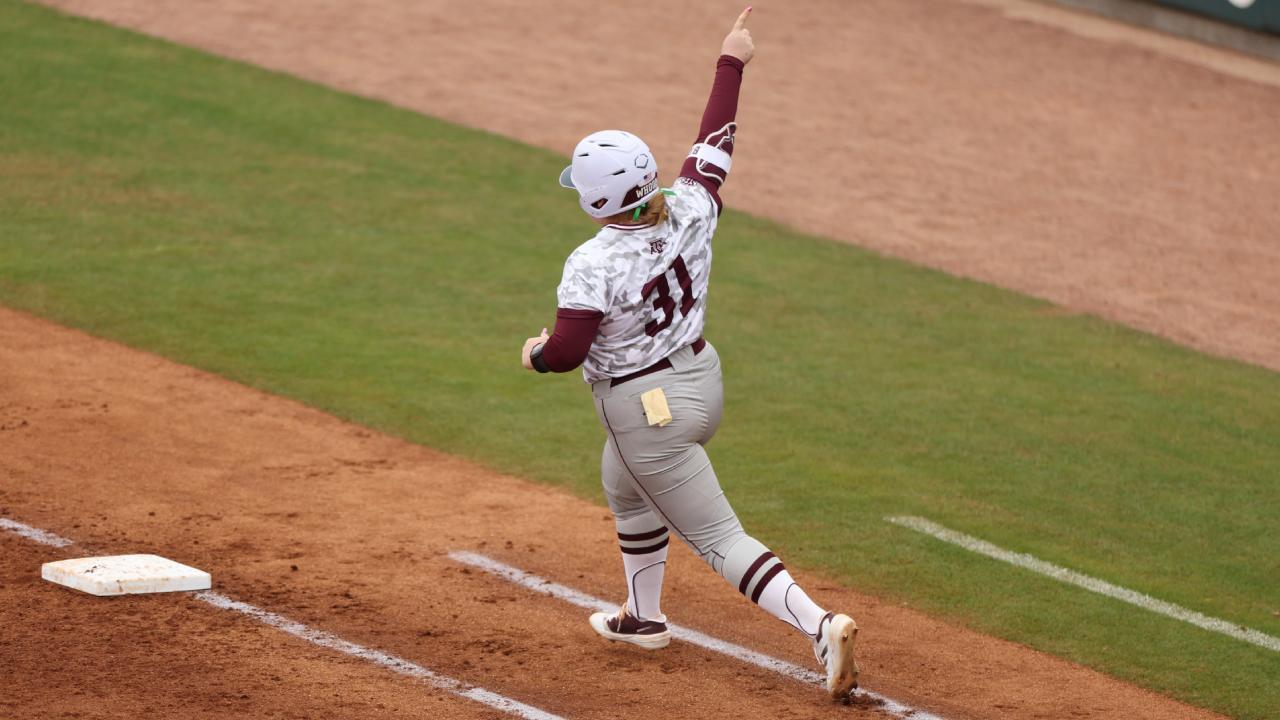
(643, 541)
(761, 577)
(785, 599)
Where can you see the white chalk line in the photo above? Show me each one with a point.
(328, 640)
(377, 657)
(574, 597)
(1092, 584)
(31, 533)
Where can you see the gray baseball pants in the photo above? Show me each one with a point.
(666, 469)
(658, 479)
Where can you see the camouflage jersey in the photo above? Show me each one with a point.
(649, 282)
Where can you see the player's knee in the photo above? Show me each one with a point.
(624, 512)
(716, 553)
(637, 520)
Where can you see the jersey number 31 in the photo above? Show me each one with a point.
(663, 301)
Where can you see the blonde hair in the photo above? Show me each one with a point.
(654, 211)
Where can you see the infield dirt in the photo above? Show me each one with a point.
(123, 451)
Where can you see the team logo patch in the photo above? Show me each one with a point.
(656, 246)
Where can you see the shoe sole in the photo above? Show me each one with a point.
(844, 673)
(656, 641)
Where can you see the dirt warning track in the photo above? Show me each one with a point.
(349, 532)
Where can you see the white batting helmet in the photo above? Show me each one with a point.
(612, 171)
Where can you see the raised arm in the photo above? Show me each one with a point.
(712, 154)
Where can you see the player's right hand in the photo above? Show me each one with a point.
(529, 345)
(738, 42)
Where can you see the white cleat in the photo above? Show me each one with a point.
(622, 627)
(833, 647)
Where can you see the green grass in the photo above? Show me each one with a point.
(386, 267)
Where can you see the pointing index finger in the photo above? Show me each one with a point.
(741, 22)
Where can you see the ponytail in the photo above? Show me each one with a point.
(652, 212)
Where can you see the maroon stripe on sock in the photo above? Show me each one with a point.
(644, 550)
(642, 536)
(773, 572)
(751, 571)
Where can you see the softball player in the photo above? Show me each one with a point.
(631, 306)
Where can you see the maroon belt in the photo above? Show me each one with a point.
(663, 364)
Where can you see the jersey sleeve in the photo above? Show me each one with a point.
(584, 284)
(571, 340)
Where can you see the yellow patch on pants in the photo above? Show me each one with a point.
(655, 407)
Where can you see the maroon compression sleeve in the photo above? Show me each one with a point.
(571, 340)
(717, 126)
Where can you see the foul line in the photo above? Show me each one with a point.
(390, 662)
(31, 533)
(574, 597)
(328, 640)
(1092, 584)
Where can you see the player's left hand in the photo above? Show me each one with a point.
(529, 345)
